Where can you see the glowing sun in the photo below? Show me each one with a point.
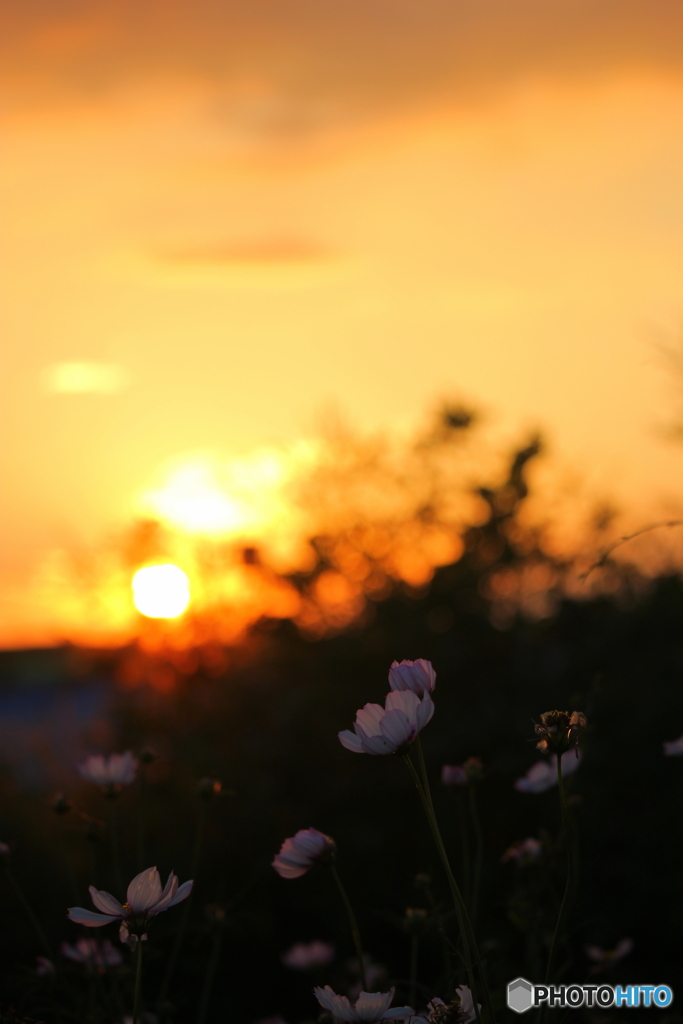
(161, 591)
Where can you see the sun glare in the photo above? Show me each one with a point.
(161, 591)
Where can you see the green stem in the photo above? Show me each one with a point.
(569, 886)
(478, 851)
(210, 974)
(40, 934)
(353, 923)
(414, 949)
(470, 948)
(138, 983)
(68, 862)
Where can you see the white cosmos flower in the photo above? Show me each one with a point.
(299, 853)
(525, 851)
(369, 1007)
(144, 900)
(543, 774)
(389, 729)
(116, 770)
(673, 748)
(418, 676)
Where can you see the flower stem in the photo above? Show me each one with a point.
(478, 850)
(115, 845)
(142, 807)
(414, 949)
(138, 983)
(571, 873)
(19, 893)
(470, 948)
(209, 976)
(187, 908)
(353, 923)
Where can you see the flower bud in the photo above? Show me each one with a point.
(415, 920)
(148, 755)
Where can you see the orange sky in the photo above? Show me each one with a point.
(238, 214)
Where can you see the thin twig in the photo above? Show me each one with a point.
(622, 540)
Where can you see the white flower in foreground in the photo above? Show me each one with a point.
(144, 900)
(543, 774)
(673, 748)
(116, 770)
(369, 1007)
(418, 676)
(605, 957)
(92, 953)
(299, 853)
(389, 729)
(526, 851)
(303, 956)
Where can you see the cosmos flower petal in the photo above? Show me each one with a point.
(405, 701)
(338, 1006)
(105, 902)
(182, 892)
(167, 895)
(397, 729)
(144, 891)
(368, 719)
(424, 712)
(87, 917)
(377, 745)
(351, 741)
(371, 1006)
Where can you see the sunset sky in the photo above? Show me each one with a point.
(223, 219)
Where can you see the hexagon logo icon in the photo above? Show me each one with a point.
(520, 995)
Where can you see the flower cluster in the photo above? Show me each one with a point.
(408, 707)
(92, 953)
(559, 731)
(523, 852)
(460, 1011)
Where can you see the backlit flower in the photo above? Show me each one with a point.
(144, 900)
(543, 774)
(369, 1007)
(526, 851)
(418, 676)
(303, 956)
(389, 729)
(673, 748)
(298, 854)
(92, 953)
(110, 772)
(559, 731)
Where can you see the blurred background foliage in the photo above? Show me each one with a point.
(404, 570)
